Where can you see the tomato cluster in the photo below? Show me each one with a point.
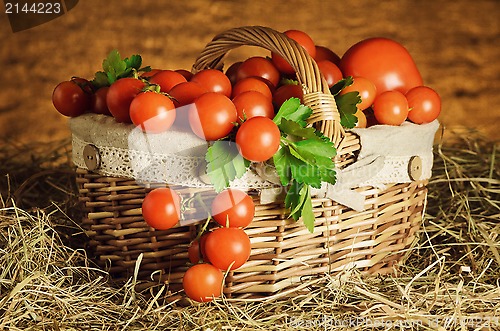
(226, 247)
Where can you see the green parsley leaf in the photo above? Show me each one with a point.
(340, 85)
(346, 104)
(100, 79)
(298, 200)
(295, 129)
(135, 62)
(224, 163)
(294, 111)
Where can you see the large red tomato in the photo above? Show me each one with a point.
(384, 62)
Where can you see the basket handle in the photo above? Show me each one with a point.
(317, 96)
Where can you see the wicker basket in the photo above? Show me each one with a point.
(284, 252)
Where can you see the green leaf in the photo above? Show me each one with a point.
(293, 200)
(294, 111)
(319, 152)
(295, 129)
(340, 85)
(307, 213)
(224, 164)
(135, 61)
(346, 105)
(298, 200)
(282, 160)
(100, 79)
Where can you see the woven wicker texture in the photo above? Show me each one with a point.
(284, 252)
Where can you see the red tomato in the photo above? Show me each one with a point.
(185, 93)
(330, 71)
(232, 72)
(258, 139)
(366, 89)
(70, 99)
(258, 66)
(384, 62)
(252, 84)
(167, 79)
(120, 95)
(362, 121)
(234, 207)
(391, 108)
(285, 92)
(424, 103)
(187, 74)
(98, 104)
(324, 53)
(152, 112)
(251, 104)
(161, 208)
(304, 40)
(150, 73)
(196, 251)
(85, 84)
(203, 282)
(228, 248)
(214, 81)
(212, 116)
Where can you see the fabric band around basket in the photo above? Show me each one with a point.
(388, 154)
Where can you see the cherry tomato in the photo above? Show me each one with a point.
(258, 139)
(391, 108)
(214, 81)
(185, 93)
(167, 79)
(187, 74)
(330, 71)
(85, 84)
(232, 72)
(234, 207)
(98, 104)
(150, 73)
(366, 89)
(212, 116)
(228, 248)
(325, 53)
(384, 62)
(258, 66)
(161, 208)
(285, 92)
(70, 100)
(251, 104)
(362, 122)
(304, 40)
(120, 95)
(203, 282)
(424, 103)
(152, 112)
(196, 251)
(252, 84)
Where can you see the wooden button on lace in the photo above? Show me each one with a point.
(415, 168)
(91, 157)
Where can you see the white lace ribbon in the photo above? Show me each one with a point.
(177, 157)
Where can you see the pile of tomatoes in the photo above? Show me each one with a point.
(240, 104)
(224, 248)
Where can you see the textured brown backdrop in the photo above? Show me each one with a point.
(456, 45)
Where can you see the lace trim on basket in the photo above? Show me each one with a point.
(158, 168)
